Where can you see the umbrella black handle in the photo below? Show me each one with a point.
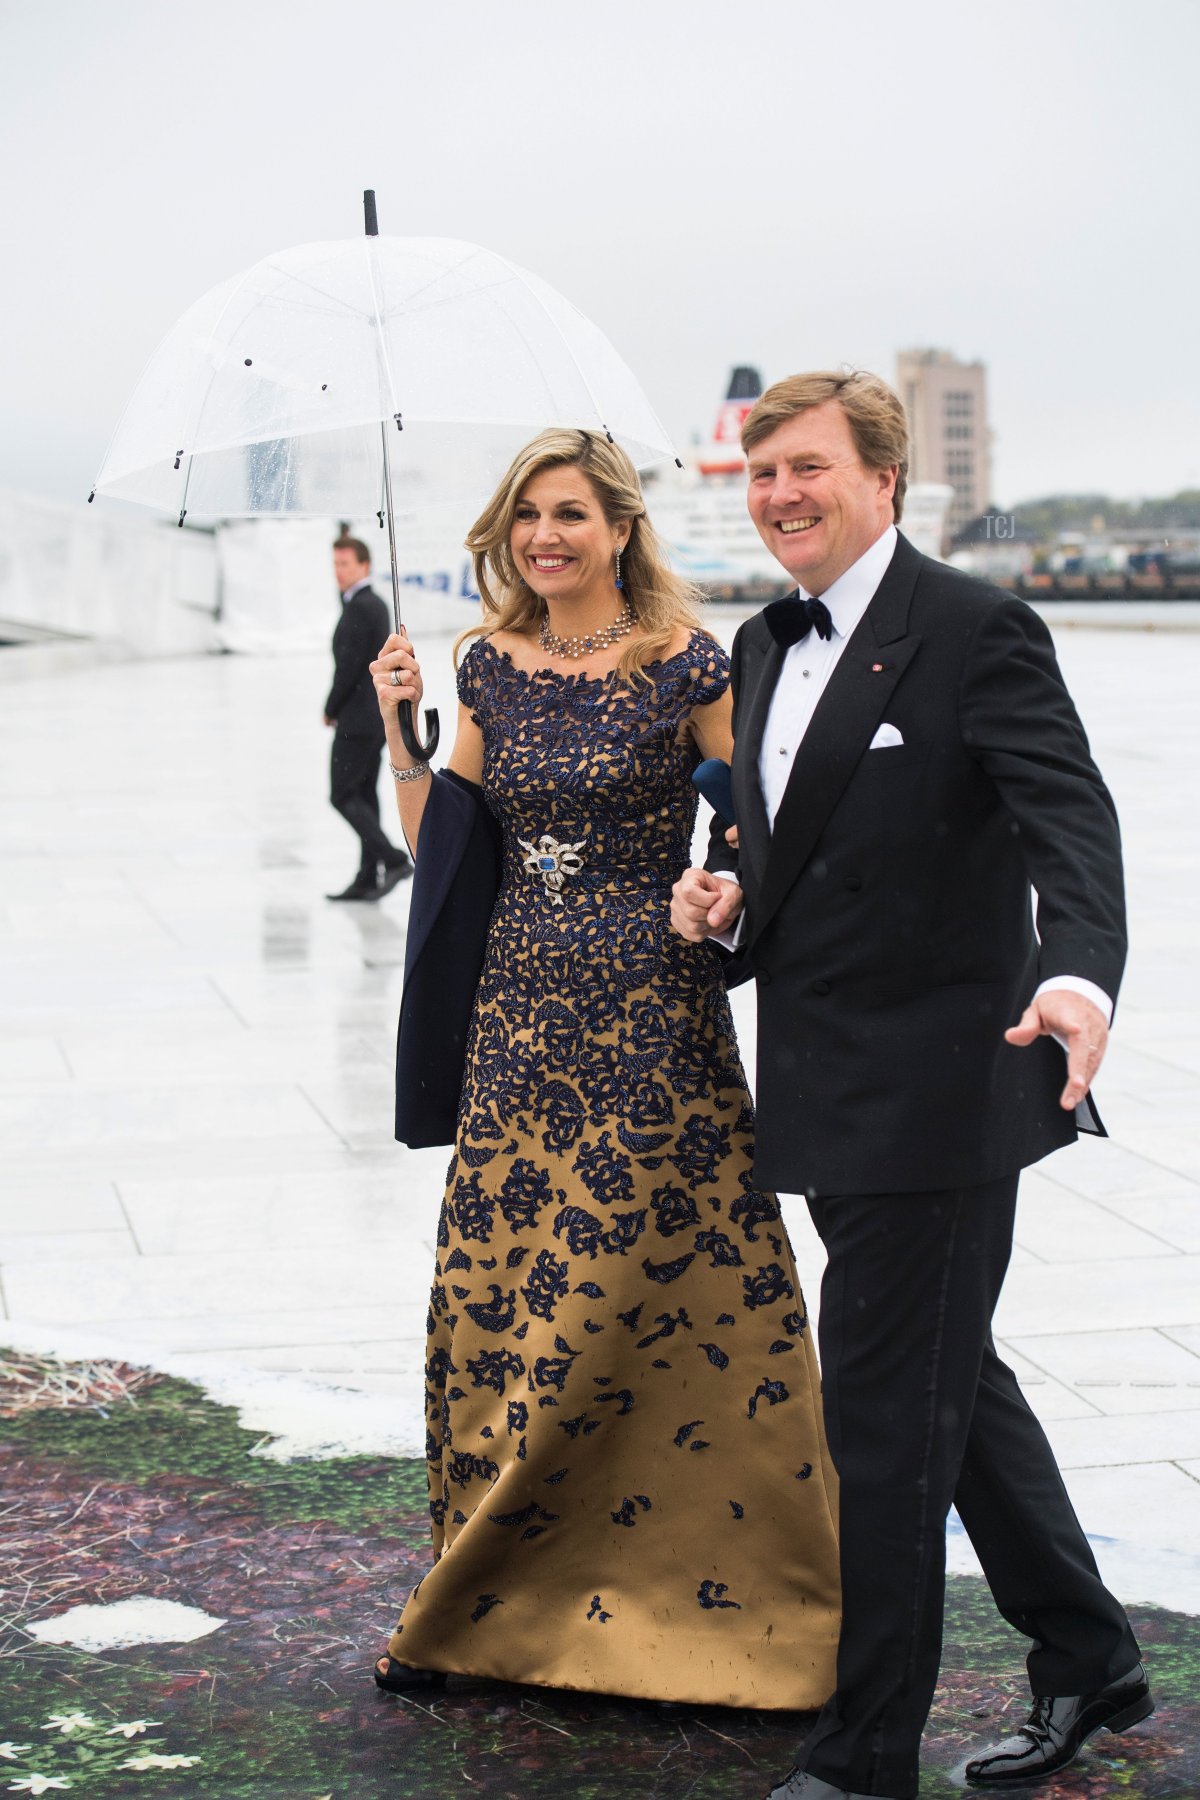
(370, 216)
(405, 718)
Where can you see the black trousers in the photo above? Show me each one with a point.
(354, 792)
(920, 1412)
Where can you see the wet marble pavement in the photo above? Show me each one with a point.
(195, 1075)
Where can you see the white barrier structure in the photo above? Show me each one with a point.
(277, 589)
(143, 588)
(119, 585)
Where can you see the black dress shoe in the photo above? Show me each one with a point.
(800, 1785)
(403, 1678)
(360, 889)
(1058, 1728)
(393, 875)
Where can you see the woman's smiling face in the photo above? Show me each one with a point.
(562, 544)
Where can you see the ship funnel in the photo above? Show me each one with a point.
(723, 456)
(744, 384)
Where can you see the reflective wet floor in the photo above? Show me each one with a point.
(196, 1085)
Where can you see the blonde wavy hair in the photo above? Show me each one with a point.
(659, 599)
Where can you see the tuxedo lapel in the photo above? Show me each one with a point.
(761, 663)
(851, 708)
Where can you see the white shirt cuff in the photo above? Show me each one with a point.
(1078, 984)
(730, 938)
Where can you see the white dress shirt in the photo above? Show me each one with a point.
(803, 678)
(808, 665)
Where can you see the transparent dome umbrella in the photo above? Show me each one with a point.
(373, 373)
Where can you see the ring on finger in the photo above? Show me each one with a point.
(397, 678)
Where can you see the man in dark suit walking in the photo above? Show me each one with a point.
(358, 738)
(908, 763)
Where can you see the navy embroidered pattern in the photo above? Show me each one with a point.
(600, 1210)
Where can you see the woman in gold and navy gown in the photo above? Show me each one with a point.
(629, 1484)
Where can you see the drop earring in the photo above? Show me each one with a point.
(619, 582)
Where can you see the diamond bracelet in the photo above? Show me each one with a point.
(413, 774)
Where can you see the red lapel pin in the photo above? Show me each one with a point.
(877, 668)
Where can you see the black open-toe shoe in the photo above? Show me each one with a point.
(402, 1678)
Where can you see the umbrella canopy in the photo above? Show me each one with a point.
(267, 396)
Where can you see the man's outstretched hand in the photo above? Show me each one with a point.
(1080, 1027)
(702, 903)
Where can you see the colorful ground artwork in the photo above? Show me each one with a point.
(120, 1485)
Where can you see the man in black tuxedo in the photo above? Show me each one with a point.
(908, 763)
(353, 710)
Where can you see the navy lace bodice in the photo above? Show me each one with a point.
(585, 757)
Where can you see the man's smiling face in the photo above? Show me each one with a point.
(816, 506)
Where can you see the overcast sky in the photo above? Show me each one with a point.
(777, 183)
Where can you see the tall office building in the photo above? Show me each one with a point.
(946, 403)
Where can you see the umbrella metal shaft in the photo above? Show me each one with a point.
(404, 712)
(405, 717)
(389, 511)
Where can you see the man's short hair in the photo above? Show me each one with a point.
(875, 415)
(361, 553)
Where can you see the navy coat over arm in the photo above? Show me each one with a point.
(455, 883)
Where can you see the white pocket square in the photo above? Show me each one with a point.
(886, 738)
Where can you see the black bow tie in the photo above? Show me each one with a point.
(791, 619)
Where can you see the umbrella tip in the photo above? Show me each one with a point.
(679, 462)
(91, 496)
(183, 515)
(608, 434)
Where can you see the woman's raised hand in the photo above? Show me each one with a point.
(397, 675)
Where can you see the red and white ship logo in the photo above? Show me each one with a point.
(723, 455)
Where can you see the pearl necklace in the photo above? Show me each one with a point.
(575, 647)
